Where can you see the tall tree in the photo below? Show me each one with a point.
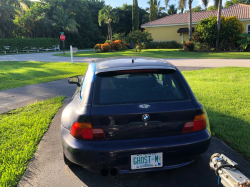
(181, 7)
(205, 3)
(183, 3)
(61, 20)
(218, 23)
(107, 16)
(172, 10)
(135, 16)
(152, 14)
(160, 10)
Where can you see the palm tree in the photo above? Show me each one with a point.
(218, 22)
(183, 4)
(205, 3)
(172, 10)
(180, 7)
(107, 16)
(159, 9)
(61, 19)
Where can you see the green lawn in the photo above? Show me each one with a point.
(225, 94)
(162, 53)
(16, 74)
(20, 132)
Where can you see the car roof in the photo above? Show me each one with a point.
(130, 63)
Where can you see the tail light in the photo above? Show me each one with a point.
(85, 131)
(199, 123)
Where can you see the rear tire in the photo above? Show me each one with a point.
(66, 161)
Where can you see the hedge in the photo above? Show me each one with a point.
(24, 44)
(164, 45)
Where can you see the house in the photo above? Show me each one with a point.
(175, 27)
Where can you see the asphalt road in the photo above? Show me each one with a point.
(48, 57)
(47, 168)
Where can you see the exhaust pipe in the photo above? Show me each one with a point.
(104, 172)
(114, 172)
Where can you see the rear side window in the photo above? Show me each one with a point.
(138, 87)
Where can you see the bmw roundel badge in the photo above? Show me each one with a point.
(145, 117)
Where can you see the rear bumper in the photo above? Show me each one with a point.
(96, 155)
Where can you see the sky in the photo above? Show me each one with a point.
(143, 3)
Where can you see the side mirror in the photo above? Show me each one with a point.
(74, 80)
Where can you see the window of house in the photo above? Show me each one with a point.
(248, 29)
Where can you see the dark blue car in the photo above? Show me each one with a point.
(133, 115)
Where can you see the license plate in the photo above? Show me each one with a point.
(142, 161)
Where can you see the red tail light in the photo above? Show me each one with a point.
(86, 132)
(199, 123)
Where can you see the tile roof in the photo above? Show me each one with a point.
(242, 11)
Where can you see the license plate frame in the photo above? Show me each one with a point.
(145, 161)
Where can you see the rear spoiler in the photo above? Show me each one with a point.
(133, 69)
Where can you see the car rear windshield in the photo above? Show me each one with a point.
(138, 87)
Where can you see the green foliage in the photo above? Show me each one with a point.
(188, 46)
(120, 36)
(135, 16)
(198, 8)
(107, 15)
(21, 44)
(63, 21)
(211, 8)
(21, 131)
(233, 2)
(245, 41)
(172, 10)
(206, 32)
(139, 37)
(152, 14)
(164, 45)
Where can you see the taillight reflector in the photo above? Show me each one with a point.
(199, 123)
(85, 131)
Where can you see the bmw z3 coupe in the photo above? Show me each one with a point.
(133, 115)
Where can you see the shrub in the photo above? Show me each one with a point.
(245, 41)
(21, 44)
(202, 47)
(138, 38)
(116, 45)
(120, 36)
(127, 45)
(97, 48)
(206, 32)
(105, 47)
(164, 45)
(108, 41)
(188, 46)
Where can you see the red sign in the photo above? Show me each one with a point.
(62, 37)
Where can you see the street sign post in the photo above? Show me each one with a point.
(62, 37)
